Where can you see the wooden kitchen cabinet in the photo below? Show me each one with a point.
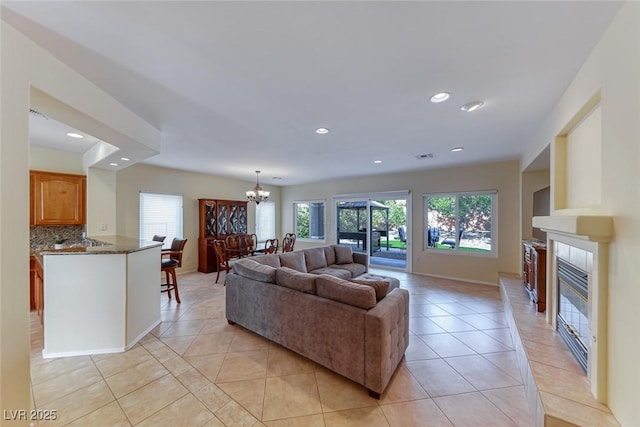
(534, 262)
(58, 198)
(36, 288)
(32, 283)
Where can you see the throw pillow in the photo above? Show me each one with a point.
(343, 255)
(345, 292)
(381, 287)
(292, 279)
(315, 259)
(330, 255)
(294, 260)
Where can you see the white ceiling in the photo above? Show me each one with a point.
(49, 133)
(238, 86)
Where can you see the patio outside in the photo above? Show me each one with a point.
(459, 222)
(385, 219)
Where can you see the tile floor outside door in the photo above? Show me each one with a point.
(196, 370)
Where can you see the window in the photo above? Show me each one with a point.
(309, 220)
(160, 214)
(461, 222)
(266, 221)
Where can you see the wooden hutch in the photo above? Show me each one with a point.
(218, 219)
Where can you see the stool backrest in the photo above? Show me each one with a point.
(177, 247)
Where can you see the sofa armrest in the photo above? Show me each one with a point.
(386, 338)
(361, 258)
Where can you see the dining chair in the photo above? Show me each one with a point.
(271, 246)
(220, 248)
(288, 242)
(169, 265)
(235, 246)
(250, 243)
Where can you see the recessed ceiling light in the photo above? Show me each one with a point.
(322, 131)
(440, 97)
(456, 149)
(472, 106)
(75, 135)
(377, 162)
(113, 164)
(125, 159)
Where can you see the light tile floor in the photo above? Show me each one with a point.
(196, 370)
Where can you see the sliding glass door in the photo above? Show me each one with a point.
(375, 224)
(352, 223)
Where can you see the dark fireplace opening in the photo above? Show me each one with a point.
(573, 309)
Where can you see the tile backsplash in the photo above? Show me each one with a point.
(43, 237)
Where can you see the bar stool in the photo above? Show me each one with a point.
(170, 264)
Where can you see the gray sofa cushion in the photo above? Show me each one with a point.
(345, 292)
(392, 281)
(315, 258)
(380, 286)
(254, 270)
(330, 255)
(272, 259)
(353, 269)
(293, 279)
(333, 271)
(343, 255)
(294, 260)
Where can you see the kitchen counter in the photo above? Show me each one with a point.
(103, 245)
(103, 303)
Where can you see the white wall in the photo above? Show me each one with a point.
(45, 159)
(26, 65)
(101, 202)
(192, 186)
(614, 68)
(584, 162)
(503, 176)
(531, 182)
(14, 225)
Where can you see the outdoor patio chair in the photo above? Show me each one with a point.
(403, 237)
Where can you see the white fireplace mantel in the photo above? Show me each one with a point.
(590, 236)
(590, 227)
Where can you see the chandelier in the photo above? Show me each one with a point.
(257, 194)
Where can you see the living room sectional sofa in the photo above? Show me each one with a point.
(305, 301)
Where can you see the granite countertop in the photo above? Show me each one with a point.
(103, 245)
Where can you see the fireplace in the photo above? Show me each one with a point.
(577, 291)
(573, 309)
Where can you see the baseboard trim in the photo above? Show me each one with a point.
(459, 279)
(143, 334)
(47, 355)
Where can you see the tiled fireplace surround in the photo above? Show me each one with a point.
(558, 391)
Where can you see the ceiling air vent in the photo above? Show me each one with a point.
(38, 113)
(425, 156)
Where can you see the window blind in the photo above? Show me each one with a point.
(266, 221)
(160, 214)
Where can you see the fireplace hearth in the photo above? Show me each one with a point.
(573, 310)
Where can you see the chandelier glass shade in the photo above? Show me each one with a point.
(257, 194)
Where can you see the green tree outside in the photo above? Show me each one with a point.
(302, 220)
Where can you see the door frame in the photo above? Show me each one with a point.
(372, 196)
